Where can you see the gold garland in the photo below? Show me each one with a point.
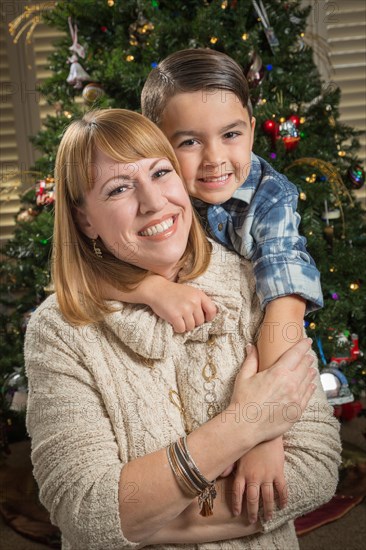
(334, 178)
(7, 186)
(29, 19)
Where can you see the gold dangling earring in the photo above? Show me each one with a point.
(97, 250)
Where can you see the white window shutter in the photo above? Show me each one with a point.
(22, 111)
(341, 25)
(9, 158)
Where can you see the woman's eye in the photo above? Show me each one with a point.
(117, 191)
(161, 172)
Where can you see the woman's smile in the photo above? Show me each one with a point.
(162, 228)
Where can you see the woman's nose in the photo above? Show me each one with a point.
(151, 198)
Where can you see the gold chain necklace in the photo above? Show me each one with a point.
(209, 373)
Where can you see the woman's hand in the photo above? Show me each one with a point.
(273, 400)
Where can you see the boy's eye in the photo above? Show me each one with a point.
(188, 142)
(231, 135)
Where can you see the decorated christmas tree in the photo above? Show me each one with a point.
(114, 45)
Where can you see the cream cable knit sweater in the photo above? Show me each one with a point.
(99, 397)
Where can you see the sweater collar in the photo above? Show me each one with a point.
(152, 338)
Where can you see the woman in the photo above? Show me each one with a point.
(112, 389)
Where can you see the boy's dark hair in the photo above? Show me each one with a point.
(192, 70)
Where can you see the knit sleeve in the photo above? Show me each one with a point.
(74, 451)
(312, 458)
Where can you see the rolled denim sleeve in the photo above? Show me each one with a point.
(282, 265)
(267, 234)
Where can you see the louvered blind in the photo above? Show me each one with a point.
(342, 27)
(9, 159)
(347, 41)
(22, 112)
(43, 39)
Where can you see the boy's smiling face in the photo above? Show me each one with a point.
(212, 136)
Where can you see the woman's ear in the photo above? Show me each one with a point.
(83, 222)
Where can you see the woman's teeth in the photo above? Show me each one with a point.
(158, 228)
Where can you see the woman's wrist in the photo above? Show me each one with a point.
(225, 431)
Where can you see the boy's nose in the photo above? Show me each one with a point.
(212, 155)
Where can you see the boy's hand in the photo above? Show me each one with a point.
(259, 473)
(183, 306)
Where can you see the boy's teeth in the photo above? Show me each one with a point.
(158, 228)
(216, 178)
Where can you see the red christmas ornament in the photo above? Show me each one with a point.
(286, 131)
(351, 410)
(337, 410)
(295, 119)
(45, 193)
(290, 142)
(270, 127)
(103, 29)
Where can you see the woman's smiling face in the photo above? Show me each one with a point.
(141, 211)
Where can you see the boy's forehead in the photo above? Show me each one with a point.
(205, 96)
(199, 109)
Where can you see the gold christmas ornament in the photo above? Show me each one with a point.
(354, 286)
(92, 92)
(140, 30)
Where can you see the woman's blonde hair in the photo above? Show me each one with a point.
(77, 272)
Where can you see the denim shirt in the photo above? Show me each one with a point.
(260, 222)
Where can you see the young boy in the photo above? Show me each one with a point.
(200, 100)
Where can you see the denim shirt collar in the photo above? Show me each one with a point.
(247, 189)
